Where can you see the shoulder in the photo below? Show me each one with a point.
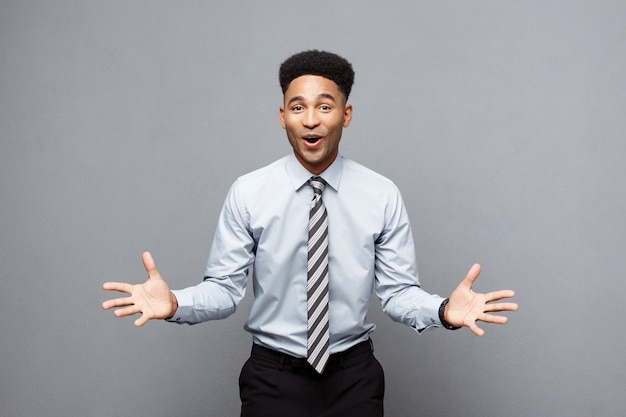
(276, 168)
(257, 182)
(354, 172)
(272, 172)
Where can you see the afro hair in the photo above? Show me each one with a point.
(314, 62)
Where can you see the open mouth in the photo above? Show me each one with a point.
(312, 139)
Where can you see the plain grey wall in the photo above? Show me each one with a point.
(123, 123)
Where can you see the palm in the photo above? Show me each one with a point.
(466, 306)
(152, 299)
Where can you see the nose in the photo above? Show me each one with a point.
(310, 119)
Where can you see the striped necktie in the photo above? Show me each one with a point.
(317, 280)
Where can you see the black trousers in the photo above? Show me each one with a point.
(273, 384)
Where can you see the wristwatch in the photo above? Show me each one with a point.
(444, 323)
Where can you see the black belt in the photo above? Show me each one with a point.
(336, 360)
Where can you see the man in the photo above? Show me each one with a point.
(321, 232)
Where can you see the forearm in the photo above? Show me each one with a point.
(209, 300)
(414, 307)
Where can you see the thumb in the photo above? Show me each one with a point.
(471, 276)
(150, 266)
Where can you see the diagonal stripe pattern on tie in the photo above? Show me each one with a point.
(318, 334)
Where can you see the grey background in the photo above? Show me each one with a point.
(123, 123)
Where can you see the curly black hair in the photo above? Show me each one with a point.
(322, 63)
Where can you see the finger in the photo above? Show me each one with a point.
(148, 263)
(128, 311)
(501, 307)
(117, 302)
(141, 320)
(471, 276)
(498, 295)
(476, 330)
(118, 286)
(491, 318)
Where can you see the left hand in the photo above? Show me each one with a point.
(466, 307)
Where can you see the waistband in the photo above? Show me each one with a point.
(336, 360)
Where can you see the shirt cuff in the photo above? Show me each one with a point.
(430, 312)
(185, 306)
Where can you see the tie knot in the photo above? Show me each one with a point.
(318, 184)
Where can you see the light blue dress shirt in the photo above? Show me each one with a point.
(263, 227)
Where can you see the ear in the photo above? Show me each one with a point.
(347, 115)
(282, 117)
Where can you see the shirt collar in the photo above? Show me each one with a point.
(300, 175)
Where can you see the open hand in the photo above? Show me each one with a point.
(153, 299)
(466, 306)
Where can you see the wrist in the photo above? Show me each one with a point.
(173, 305)
(442, 316)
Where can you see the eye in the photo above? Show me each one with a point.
(325, 107)
(297, 108)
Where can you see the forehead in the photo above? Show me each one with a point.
(310, 86)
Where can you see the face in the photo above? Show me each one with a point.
(314, 115)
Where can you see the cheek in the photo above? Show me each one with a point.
(292, 137)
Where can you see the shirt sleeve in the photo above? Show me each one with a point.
(397, 281)
(231, 255)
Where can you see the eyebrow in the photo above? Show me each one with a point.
(322, 95)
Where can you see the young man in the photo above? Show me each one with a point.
(321, 232)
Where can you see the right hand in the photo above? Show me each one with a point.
(153, 299)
